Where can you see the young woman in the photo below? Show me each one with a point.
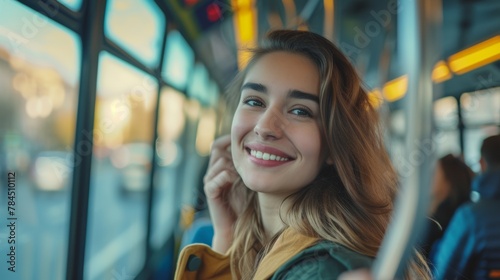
(303, 187)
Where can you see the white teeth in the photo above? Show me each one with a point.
(266, 156)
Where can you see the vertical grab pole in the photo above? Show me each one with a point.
(418, 28)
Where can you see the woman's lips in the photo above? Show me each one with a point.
(267, 156)
(264, 149)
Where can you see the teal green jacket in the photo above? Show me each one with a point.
(325, 260)
(293, 256)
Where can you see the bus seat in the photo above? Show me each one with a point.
(200, 231)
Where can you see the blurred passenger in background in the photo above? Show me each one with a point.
(470, 248)
(450, 189)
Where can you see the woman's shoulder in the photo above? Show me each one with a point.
(324, 260)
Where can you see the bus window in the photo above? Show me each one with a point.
(194, 164)
(474, 138)
(395, 144)
(481, 107)
(446, 138)
(169, 154)
(212, 93)
(201, 87)
(123, 133)
(38, 101)
(205, 133)
(136, 26)
(178, 61)
(482, 119)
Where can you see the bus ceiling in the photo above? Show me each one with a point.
(221, 30)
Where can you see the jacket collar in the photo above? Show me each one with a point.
(288, 244)
(487, 184)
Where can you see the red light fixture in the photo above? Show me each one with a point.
(214, 12)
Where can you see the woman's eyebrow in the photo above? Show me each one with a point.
(294, 93)
(255, 86)
(303, 95)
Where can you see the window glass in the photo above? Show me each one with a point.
(396, 141)
(397, 124)
(205, 133)
(396, 149)
(447, 142)
(446, 138)
(38, 101)
(169, 153)
(74, 5)
(481, 113)
(199, 83)
(121, 166)
(212, 93)
(202, 88)
(481, 107)
(137, 26)
(194, 164)
(179, 59)
(446, 113)
(473, 139)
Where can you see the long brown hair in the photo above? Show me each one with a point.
(351, 201)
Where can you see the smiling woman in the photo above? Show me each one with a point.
(272, 120)
(303, 187)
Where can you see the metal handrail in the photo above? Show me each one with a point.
(418, 27)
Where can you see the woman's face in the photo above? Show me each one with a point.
(275, 134)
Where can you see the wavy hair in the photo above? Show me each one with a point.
(350, 202)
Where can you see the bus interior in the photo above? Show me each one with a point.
(108, 109)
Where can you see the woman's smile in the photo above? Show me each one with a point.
(263, 155)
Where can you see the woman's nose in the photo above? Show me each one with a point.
(271, 124)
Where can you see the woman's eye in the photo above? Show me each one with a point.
(301, 112)
(253, 103)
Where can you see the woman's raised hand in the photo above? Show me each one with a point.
(218, 181)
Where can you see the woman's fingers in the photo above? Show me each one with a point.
(221, 164)
(218, 180)
(215, 187)
(220, 148)
(221, 172)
